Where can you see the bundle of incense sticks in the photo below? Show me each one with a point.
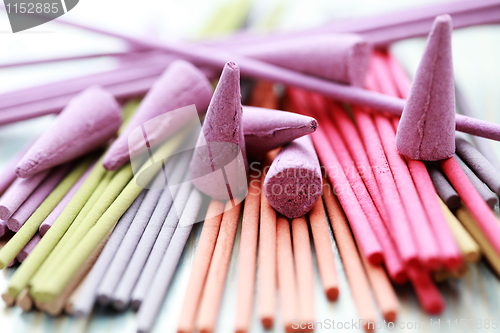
(109, 230)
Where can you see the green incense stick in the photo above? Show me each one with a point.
(119, 181)
(60, 278)
(56, 255)
(29, 229)
(30, 265)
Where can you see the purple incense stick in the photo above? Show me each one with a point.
(17, 220)
(18, 192)
(29, 247)
(49, 221)
(203, 55)
(159, 286)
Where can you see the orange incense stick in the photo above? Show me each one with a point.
(303, 269)
(263, 95)
(247, 257)
(216, 278)
(201, 263)
(324, 251)
(286, 273)
(266, 290)
(382, 288)
(353, 267)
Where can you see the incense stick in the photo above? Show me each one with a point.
(216, 277)
(201, 263)
(247, 255)
(304, 270)
(358, 281)
(151, 305)
(85, 301)
(324, 250)
(32, 263)
(266, 260)
(286, 274)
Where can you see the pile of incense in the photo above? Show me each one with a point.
(103, 203)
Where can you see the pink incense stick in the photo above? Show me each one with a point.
(49, 221)
(17, 220)
(427, 292)
(392, 260)
(484, 216)
(120, 91)
(427, 245)
(448, 247)
(399, 224)
(388, 35)
(139, 70)
(124, 55)
(404, 23)
(357, 218)
(350, 134)
(449, 250)
(18, 192)
(29, 247)
(202, 55)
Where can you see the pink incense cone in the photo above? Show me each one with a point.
(219, 163)
(427, 127)
(337, 57)
(180, 85)
(293, 183)
(17, 220)
(88, 121)
(267, 129)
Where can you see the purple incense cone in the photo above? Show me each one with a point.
(88, 121)
(267, 129)
(219, 163)
(337, 57)
(293, 183)
(180, 85)
(427, 127)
